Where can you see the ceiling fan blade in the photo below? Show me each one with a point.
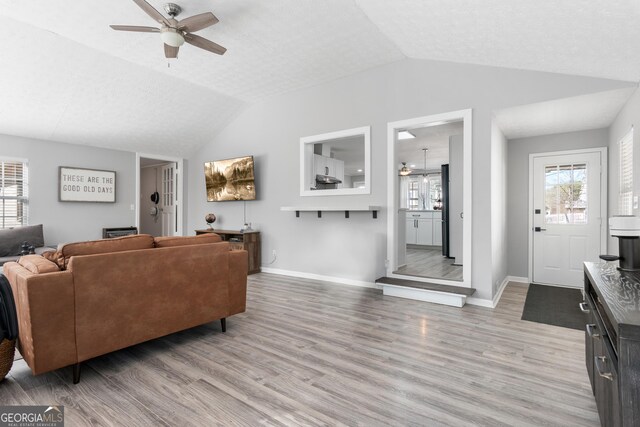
(153, 13)
(205, 44)
(170, 51)
(135, 28)
(197, 22)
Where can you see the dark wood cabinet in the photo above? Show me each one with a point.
(612, 342)
(247, 240)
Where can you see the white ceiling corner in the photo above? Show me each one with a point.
(595, 38)
(593, 111)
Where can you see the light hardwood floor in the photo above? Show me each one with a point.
(315, 353)
(430, 263)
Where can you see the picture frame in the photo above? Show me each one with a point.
(86, 185)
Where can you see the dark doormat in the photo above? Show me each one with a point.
(554, 305)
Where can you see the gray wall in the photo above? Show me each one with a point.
(499, 252)
(69, 221)
(518, 151)
(627, 118)
(355, 248)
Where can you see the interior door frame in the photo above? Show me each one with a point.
(393, 185)
(604, 197)
(180, 175)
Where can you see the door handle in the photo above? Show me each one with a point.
(462, 215)
(538, 229)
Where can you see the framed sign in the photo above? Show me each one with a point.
(86, 185)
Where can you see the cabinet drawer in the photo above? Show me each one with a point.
(419, 215)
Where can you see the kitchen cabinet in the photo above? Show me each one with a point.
(323, 165)
(437, 229)
(424, 228)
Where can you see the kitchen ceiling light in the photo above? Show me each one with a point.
(405, 134)
(360, 170)
(424, 175)
(404, 171)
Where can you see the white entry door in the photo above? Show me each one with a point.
(168, 199)
(567, 216)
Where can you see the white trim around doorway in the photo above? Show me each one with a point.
(603, 196)
(181, 188)
(392, 199)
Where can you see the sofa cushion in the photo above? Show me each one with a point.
(201, 239)
(118, 244)
(11, 239)
(38, 264)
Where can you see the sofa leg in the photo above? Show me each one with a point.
(76, 373)
(223, 323)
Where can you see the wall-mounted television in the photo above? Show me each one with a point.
(230, 179)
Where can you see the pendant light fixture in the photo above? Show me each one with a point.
(404, 171)
(424, 175)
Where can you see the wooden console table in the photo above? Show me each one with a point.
(248, 240)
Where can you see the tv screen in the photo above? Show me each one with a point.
(230, 179)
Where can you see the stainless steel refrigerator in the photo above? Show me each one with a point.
(444, 180)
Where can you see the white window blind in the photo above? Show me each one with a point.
(14, 197)
(625, 197)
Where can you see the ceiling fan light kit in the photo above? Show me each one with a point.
(172, 37)
(175, 33)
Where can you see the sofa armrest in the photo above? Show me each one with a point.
(238, 270)
(46, 317)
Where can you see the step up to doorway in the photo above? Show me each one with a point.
(455, 296)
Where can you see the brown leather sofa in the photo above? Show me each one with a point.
(92, 298)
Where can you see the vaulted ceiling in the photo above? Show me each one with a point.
(66, 76)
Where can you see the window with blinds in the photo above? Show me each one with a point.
(625, 196)
(14, 199)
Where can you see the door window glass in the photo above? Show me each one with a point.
(566, 194)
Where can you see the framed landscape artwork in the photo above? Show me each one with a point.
(230, 179)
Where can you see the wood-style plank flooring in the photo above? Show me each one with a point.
(316, 353)
(430, 263)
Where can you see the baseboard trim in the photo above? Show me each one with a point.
(321, 277)
(496, 299)
(518, 279)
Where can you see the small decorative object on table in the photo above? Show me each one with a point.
(210, 219)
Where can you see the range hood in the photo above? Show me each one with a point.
(326, 179)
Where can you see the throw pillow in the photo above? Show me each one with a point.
(11, 239)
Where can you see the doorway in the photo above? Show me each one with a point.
(159, 207)
(567, 205)
(429, 229)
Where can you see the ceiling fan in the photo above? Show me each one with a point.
(173, 32)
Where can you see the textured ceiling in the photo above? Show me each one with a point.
(597, 38)
(66, 76)
(594, 111)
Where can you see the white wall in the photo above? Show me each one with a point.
(72, 221)
(456, 198)
(518, 151)
(150, 180)
(355, 248)
(629, 116)
(498, 206)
